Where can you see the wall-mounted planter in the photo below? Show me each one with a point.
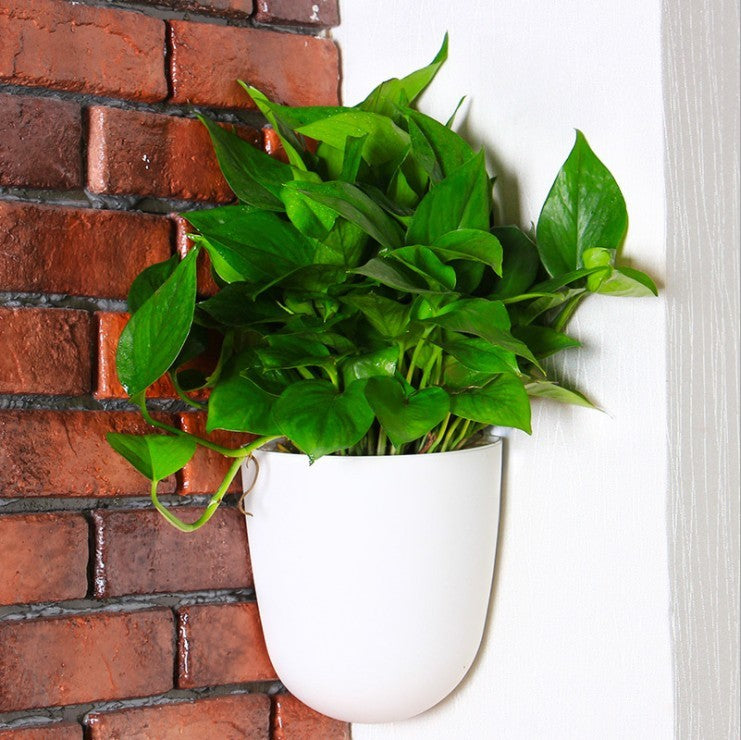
(373, 575)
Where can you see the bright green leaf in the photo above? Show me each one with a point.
(238, 404)
(148, 280)
(504, 402)
(156, 456)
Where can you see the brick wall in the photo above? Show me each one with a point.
(112, 624)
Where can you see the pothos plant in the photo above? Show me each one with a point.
(369, 302)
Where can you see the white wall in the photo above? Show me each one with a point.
(578, 640)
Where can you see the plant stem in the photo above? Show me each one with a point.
(381, 445)
(215, 500)
(428, 367)
(449, 436)
(440, 434)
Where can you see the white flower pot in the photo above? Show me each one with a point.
(373, 574)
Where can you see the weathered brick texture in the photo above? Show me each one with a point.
(61, 45)
(293, 720)
(77, 251)
(222, 718)
(221, 644)
(55, 731)
(44, 557)
(204, 473)
(65, 453)
(319, 13)
(138, 552)
(130, 152)
(45, 350)
(40, 143)
(207, 60)
(94, 657)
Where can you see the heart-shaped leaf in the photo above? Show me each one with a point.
(319, 419)
(406, 417)
(504, 403)
(155, 456)
(238, 404)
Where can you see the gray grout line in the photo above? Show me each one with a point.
(79, 712)
(124, 603)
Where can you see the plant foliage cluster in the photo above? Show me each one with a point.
(369, 304)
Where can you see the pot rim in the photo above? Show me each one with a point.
(338, 459)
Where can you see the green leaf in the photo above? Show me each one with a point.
(156, 456)
(319, 419)
(384, 141)
(544, 341)
(153, 338)
(478, 354)
(311, 218)
(456, 376)
(584, 209)
(616, 281)
(470, 244)
(238, 404)
(394, 275)
(393, 93)
(287, 351)
(233, 305)
(380, 362)
(553, 391)
(438, 150)
(254, 176)
(461, 200)
(148, 280)
(486, 319)
(504, 402)
(256, 245)
(389, 318)
(354, 205)
(423, 261)
(406, 417)
(352, 157)
(520, 262)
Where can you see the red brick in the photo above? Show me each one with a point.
(65, 46)
(234, 717)
(206, 284)
(77, 251)
(44, 557)
(205, 472)
(138, 552)
(65, 453)
(56, 731)
(35, 154)
(109, 328)
(223, 8)
(320, 13)
(221, 644)
(207, 60)
(272, 144)
(293, 720)
(156, 155)
(92, 657)
(45, 350)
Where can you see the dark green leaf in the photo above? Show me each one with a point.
(148, 280)
(354, 205)
(424, 262)
(544, 341)
(439, 150)
(406, 417)
(319, 419)
(470, 244)
(254, 176)
(519, 265)
(584, 209)
(153, 338)
(479, 354)
(233, 305)
(380, 362)
(293, 351)
(389, 318)
(461, 200)
(238, 404)
(394, 275)
(504, 402)
(156, 456)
